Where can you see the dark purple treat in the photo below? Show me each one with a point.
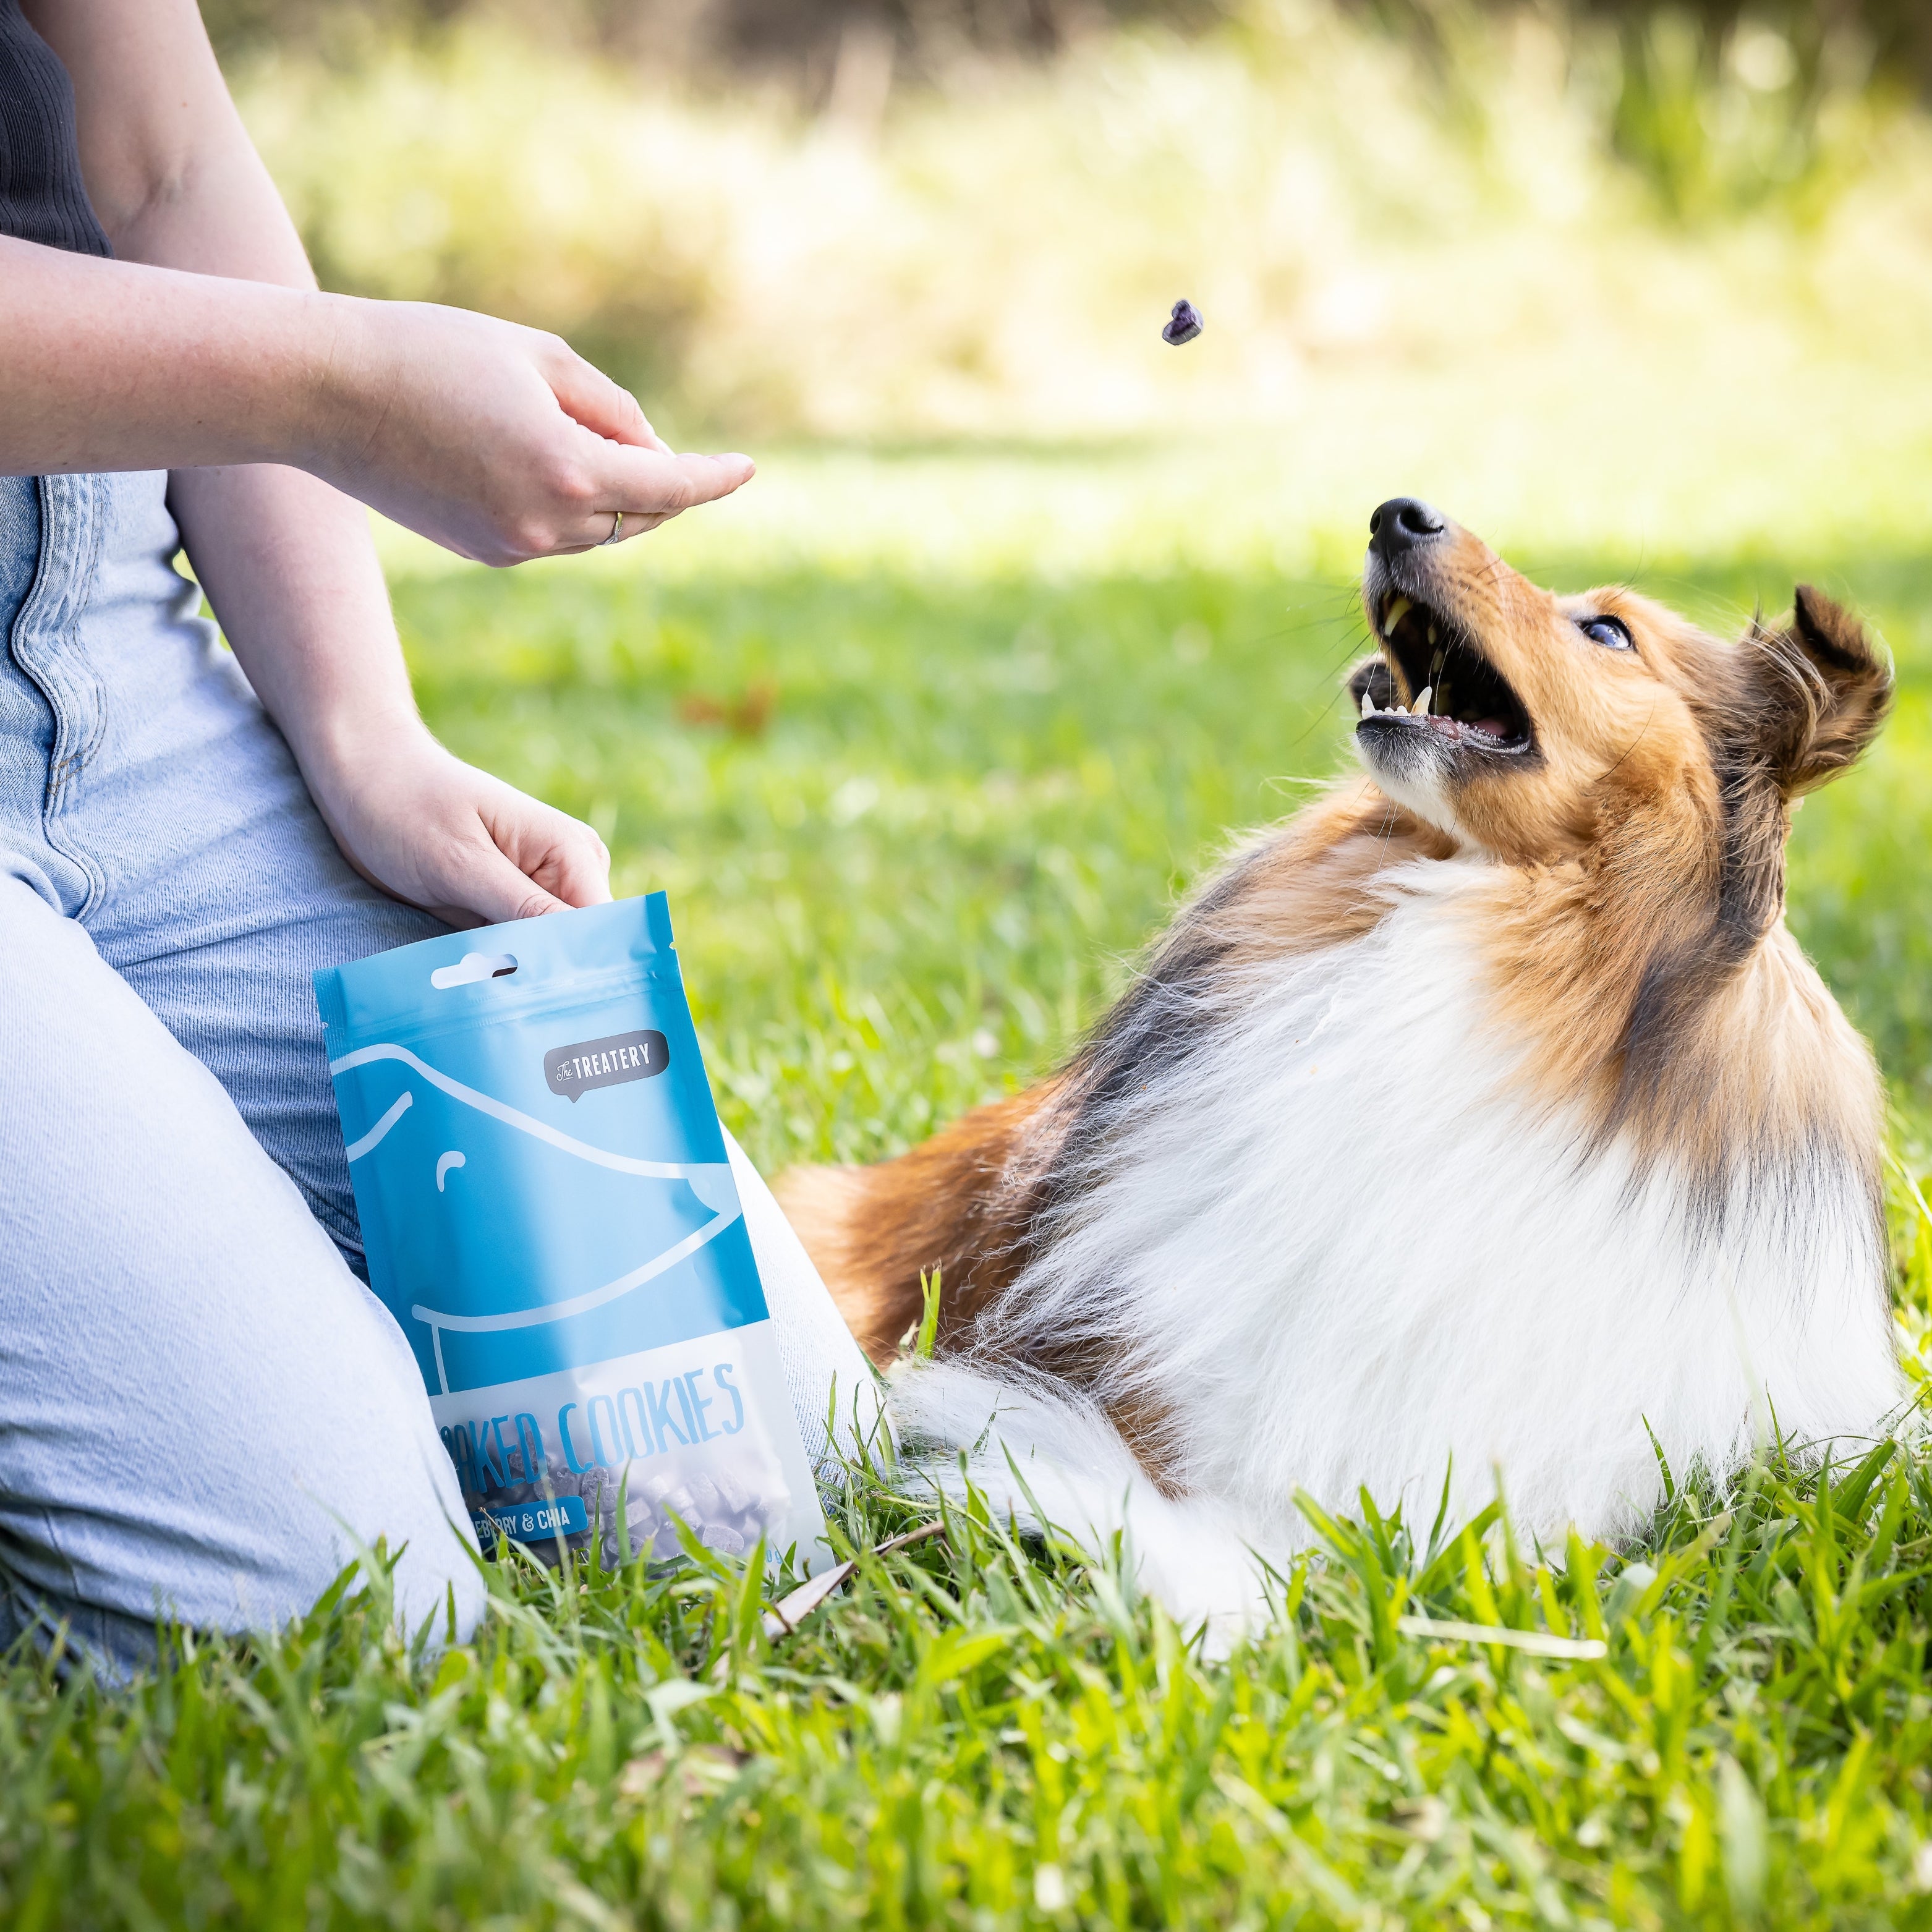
(1184, 325)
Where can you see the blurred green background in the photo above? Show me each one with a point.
(1026, 611)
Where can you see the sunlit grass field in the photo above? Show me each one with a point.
(918, 793)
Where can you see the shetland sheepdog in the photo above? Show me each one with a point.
(1482, 1118)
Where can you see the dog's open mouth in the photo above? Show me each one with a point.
(1457, 690)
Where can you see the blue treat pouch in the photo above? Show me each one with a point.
(550, 1213)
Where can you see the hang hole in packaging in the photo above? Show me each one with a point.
(471, 967)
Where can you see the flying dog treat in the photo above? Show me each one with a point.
(1184, 325)
(549, 1214)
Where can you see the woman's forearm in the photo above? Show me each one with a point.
(125, 367)
(121, 365)
(288, 566)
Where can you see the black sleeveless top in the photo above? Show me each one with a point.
(42, 196)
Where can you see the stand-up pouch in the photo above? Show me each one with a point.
(549, 1214)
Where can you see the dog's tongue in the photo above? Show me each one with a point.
(1490, 727)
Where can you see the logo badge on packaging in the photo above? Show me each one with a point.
(550, 1213)
(574, 1070)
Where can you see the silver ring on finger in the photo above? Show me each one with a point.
(617, 528)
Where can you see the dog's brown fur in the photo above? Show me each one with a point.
(953, 1205)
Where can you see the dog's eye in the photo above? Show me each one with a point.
(1612, 633)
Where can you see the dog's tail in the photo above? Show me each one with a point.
(953, 1203)
(1042, 1457)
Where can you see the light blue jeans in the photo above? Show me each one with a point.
(204, 1413)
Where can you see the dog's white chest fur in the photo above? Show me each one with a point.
(1336, 1245)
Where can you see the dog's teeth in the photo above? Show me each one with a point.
(1420, 709)
(1399, 607)
(1368, 706)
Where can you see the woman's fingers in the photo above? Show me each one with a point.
(440, 834)
(587, 395)
(651, 487)
(518, 858)
(576, 869)
(560, 856)
(655, 483)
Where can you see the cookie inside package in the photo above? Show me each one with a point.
(549, 1213)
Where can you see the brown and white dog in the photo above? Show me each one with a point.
(1483, 1115)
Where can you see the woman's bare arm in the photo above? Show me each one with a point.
(206, 350)
(494, 440)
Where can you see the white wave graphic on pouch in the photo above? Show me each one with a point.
(696, 1172)
(373, 1139)
(711, 1181)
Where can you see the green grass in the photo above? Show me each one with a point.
(976, 794)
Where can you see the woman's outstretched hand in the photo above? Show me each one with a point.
(498, 442)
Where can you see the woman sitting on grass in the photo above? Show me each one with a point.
(205, 1412)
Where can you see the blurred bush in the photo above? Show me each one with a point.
(801, 38)
(1662, 41)
(986, 243)
(1716, 104)
(1720, 105)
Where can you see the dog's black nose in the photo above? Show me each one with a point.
(1403, 523)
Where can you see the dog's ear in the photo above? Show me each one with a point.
(1823, 691)
(1371, 675)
